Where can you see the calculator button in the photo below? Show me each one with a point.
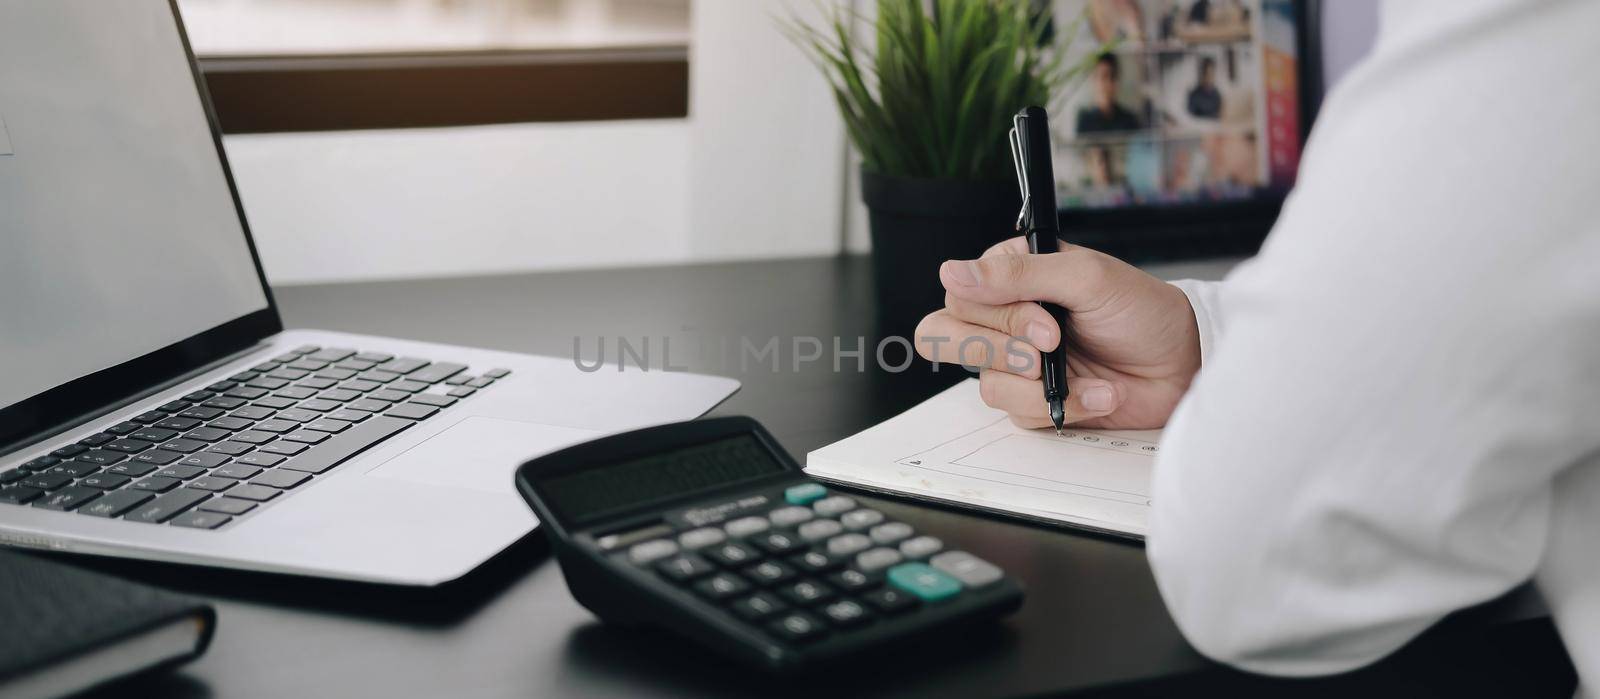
(806, 592)
(759, 606)
(701, 538)
(789, 516)
(920, 547)
(732, 554)
(816, 562)
(969, 569)
(852, 580)
(804, 494)
(861, 519)
(798, 627)
(685, 567)
(846, 613)
(745, 526)
(878, 559)
(891, 600)
(649, 551)
(820, 529)
(848, 544)
(834, 506)
(722, 586)
(924, 582)
(778, 542)
(769, 573)
(891, 532)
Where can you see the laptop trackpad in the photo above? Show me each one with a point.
(480, 453)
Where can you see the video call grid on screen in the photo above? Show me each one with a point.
(1196, 102)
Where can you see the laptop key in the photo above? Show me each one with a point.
(254, 413)
(335, 374)
(374, 357)
(404, 365)
(95, 440)
(105, 481)
(307, 436)
(260, 459)
(149, 417)
(19, 494)
(299, 415)
(436, 372)
(356, 364)
(247, 392)
(380, 375)
(284, 448)
(207, 434)
(69, 451)
(157, 484)
(361, 385)
(231, 424)
(123, 428)
(102, 457)
(200, 412)
(213, 484)
(461, 392)
(154, 434)
(434, 400)
(276, 426)
(347, 444)
(67, 498)
(409, 386)
(288, 374)
(187, 446)
(412, 411)
(129, 446)
(13, 476)
(280, 479)
(267, 382)
(224, 402)
(305, 349)
(258, 493)
(254, 437)
(296, 393)
(199, 396)
(205, 460)
(265, 367)
(173, 407)
(317, 383)
(342, 395)
(114, 504)
(237, 471)
(40, 463)
(321, 406)
(228, 506)
(158, 457)
(480, 382)
(275, 402)
(221, 386)
(168, 506)
(306, 365)
(76, 469)
(329, 425)
(244, 376)
(181, 473)
(497, 373)
(349, 415)
(134, 468)
(457, 380)
(181, 424)
(331, 354)
(196, 519)
(370, 405)
(230, 448)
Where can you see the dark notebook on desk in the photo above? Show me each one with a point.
(63, 630)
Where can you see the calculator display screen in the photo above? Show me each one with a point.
(609, 488)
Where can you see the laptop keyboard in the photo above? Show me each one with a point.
(219, 454)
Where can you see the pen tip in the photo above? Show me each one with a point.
(1057, 415)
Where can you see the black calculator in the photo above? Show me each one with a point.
(709, 529)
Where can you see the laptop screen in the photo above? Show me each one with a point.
(119, 234)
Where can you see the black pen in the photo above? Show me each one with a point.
(1031, 154)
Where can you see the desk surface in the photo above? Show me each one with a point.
(1093, 617)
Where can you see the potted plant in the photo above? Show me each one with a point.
(928, 105)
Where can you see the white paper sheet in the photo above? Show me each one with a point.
(954, 449)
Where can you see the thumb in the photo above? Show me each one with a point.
(1091, 398)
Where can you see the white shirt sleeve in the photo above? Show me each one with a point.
(1391, 387)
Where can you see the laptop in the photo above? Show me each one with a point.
(151, 404)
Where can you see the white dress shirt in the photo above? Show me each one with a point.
(1399, 410)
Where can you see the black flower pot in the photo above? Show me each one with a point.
(916, 225)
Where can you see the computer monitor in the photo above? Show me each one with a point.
(1184, 137)
(124, 254)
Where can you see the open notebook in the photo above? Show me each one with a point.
(954, 449)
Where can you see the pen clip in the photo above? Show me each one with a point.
(1019, 161)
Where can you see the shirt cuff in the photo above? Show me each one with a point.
(1203, 299)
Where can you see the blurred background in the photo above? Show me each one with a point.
(382, 139)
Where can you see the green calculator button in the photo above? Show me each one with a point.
(804, 494)
(923, 581)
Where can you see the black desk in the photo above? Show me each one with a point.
(1093, 617)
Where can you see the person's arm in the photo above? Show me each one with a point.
(1410, 362)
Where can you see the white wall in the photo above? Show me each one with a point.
(756, 171)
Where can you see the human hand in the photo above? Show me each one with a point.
(1132, 342)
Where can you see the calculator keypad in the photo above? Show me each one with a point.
(814, 565)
